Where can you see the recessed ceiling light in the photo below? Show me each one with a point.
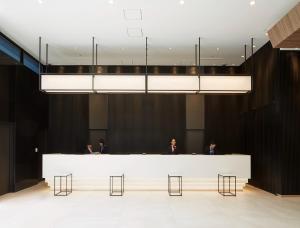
(252, 3)
(242, 56)
(254, 46)
(111, 2)
(40, 1)
(181, 2)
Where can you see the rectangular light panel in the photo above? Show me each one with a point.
(67, 83)
(225, 84)
(137, 84)
(119, 83)
(173, 84)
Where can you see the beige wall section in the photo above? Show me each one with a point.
(98, 111)
(195, 112)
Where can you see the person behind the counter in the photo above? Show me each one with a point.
(89, 149)
(103, 148)
(172, 149)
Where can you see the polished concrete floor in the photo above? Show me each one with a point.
(36, 207)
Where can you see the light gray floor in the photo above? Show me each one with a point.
(38, 208)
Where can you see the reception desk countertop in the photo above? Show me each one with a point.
(146, 172)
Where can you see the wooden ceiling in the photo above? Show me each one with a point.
(286, 33)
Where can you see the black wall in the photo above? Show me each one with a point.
(136, 123)
(6, 157)
(25, 110)
(68, 123)
(289, 100)
(146, 123)
(265, 123)
(31, 121)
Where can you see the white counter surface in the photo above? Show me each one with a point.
(146, 172)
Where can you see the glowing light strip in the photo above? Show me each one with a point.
(136, 84)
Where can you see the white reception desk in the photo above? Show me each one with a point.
(146, 172)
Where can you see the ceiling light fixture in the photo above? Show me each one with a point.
(111, 2)
(136, 84)
(40, 1)
(252, 3)
(242, 56)
(181, 2)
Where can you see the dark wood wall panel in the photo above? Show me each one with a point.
(263, 142)
(68, 123)
(194, 141)
(290, 110)
(223, 122)
(24, 107)
(31, 119)
(195, 109)
(98, 111)
(5, 154)
(6, 88)
(145, 123)
(265, 123)
(261, 120)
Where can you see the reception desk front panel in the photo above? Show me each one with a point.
(146, 172)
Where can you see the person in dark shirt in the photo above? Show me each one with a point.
(172, 149)
(103, 148)
(211, 149)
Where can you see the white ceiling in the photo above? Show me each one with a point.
(120, 29)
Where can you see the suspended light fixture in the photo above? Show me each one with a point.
(145, 83)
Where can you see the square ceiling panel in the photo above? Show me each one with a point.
(135, 32)
(133, 14)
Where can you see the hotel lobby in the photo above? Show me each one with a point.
(135, 113)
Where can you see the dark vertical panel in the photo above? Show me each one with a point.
(290, 106)
(264, 123)
(195, 112)
(68, 123)
(30, 115)
(98, 110)
(222, 122)
(5, 157)
(6, 78)
(145, 123)
(194, 141)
